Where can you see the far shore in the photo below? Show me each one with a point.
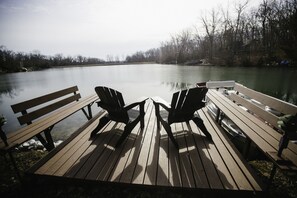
(29, 69)
(106, 64)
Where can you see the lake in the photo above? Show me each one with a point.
(134, 81)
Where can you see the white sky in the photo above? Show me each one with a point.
(96, 28)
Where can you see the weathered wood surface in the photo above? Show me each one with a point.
(147, 157)
(265, 101)
(259, 132)
(29, 131)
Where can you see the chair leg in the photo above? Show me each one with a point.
(127, 130)
(199, 123)
(142, 113)
(169, 132)
(157, 113)
(102, 122)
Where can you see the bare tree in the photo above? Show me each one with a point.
(211, 26)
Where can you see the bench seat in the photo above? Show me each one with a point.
(46, 122)
(262, 134)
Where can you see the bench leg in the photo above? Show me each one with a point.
(43, 141)
(48, 142)
(89, 115)
(218, 115)
(283, 143)
(49, 139)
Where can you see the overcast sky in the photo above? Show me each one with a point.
(96, 28)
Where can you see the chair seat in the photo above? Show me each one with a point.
(182, 109)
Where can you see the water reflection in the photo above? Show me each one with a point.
(7, 89)
(135, 81)
(175, 86)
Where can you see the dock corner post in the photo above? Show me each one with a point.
(272, 173)
(3, 136)
(17, 171)
(89, 114)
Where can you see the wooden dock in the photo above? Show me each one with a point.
(148, 158)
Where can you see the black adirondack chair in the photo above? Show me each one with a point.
(112, 101)
(182, 109)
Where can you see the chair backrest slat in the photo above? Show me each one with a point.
(121, 99)
(100, 93)
(113, 102)
(194, 99)
(109, 99)
(181, 100)
(184, 103)
(174, 99)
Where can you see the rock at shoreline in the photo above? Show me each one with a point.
(33, 144)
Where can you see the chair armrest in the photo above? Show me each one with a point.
(201, 84)
(161, 102)
(139, 101)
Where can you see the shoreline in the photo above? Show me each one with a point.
(144, 63)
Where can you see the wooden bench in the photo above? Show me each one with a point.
(259, 125)
(42, 113)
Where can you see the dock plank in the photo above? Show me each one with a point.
(185, 164)
(140, 169)
(150, 177)
(163, 164)
(77, 165)
(223, 154)
(133, 169)
(149, 158)
(194, 157)
(227, 146)
(97, 150)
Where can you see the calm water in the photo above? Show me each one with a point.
(134, 81)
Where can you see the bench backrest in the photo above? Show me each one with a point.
(45, 104)
(272, 105)
(220, 84)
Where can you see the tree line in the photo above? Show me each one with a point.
(18, 61)
(234, 36)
